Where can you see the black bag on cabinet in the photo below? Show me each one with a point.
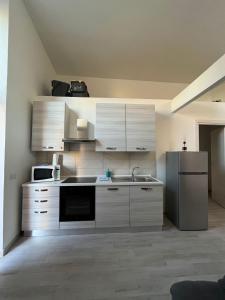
(78, 89)
(60, 88)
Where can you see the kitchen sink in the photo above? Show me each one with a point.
(144, 179)
(136, 179)
(122, 179)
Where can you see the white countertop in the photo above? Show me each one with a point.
(60, 182)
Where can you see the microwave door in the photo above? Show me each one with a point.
(43, 174)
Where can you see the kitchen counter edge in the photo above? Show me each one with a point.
(60, 183)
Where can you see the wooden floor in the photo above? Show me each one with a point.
(113, 266)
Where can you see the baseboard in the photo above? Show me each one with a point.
(80, 231)
(5, 250)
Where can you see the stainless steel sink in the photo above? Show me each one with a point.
(144, 179)
(122, 179)
(136, 179)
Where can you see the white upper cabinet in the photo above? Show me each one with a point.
(140, 127)
(125, 127)
(110, 127)
(49, 125)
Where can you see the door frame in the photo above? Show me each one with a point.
(205, 122)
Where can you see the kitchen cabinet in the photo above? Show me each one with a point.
(40, 208)
(112, 206)
(146, 205)
(140, 127)
(125, 127)
(110, 127)
(49, 125)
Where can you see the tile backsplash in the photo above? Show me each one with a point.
(83, 160)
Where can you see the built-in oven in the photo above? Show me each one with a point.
(77, 203)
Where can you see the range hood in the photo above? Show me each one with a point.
(78, 140)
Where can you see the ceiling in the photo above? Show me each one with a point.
(157, 40)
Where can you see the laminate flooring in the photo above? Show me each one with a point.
(113, 266)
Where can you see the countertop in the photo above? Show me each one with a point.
(60, 183)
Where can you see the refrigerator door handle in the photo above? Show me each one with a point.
(193, 173)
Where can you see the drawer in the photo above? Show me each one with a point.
(77, 224)
(40, 191)
(35, 219)
(42, 203)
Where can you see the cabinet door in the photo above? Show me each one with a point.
(110, 127)
(140, 127)
(112, 206)
(146, 206)
(48, 125)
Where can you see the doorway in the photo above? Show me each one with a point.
(209, 140)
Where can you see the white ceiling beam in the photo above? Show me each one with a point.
(200, 85)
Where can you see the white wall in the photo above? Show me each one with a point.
(184, 124)
(4, 11)
(120, 88)
(29, 74)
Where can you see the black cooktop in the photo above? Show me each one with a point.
(80, 180)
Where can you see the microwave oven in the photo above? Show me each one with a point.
(43, 173)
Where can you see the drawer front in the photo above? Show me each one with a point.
(77, 224)
(146, 206)
(112, 206)
(40, 192)
(35, 219)
(42, 203)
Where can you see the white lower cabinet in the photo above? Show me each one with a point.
(40, 208)
(124, 206)
(112, 206)
(116, 206)
(146, 206)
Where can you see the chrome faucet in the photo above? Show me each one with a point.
(132, 174)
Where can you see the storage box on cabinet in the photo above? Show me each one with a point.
(49, 125)
(146, 206)
(112, 206)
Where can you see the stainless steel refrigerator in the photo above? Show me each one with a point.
(186, 202)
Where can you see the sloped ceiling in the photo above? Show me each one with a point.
(157, 40)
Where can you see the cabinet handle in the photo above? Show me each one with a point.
(140, 148)
(41, 201)
(41, 212)
(112, 189)
(111, 148)
(42, 190)
(47, 147)
(146, 189)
